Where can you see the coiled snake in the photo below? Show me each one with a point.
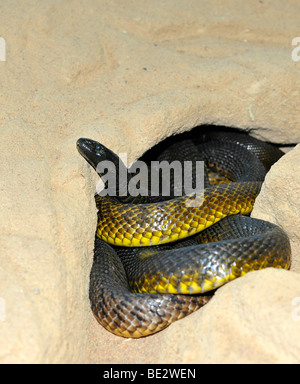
(157, 258)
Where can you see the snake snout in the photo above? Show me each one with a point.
(92, 151)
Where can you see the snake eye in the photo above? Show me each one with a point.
(99, 151)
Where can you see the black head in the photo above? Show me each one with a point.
(92, 151)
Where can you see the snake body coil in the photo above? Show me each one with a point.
(157, 259)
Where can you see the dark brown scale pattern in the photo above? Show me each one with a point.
(130, 314)
(201, 268)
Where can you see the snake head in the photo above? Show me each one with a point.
(93, 152)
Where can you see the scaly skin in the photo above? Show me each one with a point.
(139, 225)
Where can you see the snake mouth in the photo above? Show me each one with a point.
(92, 151)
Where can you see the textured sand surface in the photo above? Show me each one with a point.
(128, 74)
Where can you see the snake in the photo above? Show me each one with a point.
(159, 258)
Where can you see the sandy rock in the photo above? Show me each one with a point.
(129, 76)
(279, 200)
(254, 319)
